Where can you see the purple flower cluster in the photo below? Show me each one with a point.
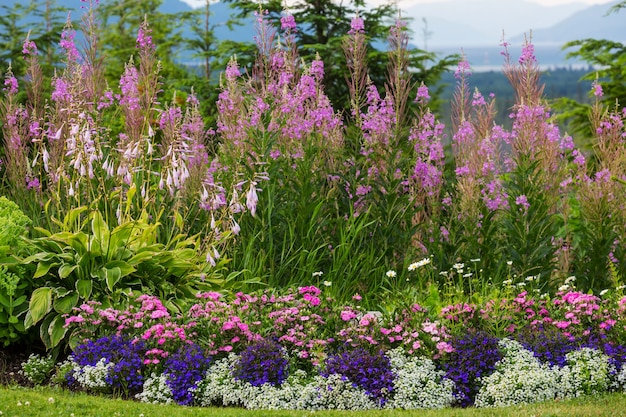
(183, 370)
(125, 354)
(475, 355)
(368, 371)
(261, 363)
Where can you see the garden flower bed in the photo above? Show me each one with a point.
(270, 262)
(302, 350)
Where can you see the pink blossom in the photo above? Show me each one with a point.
(347, 315)
(288, 22)
(357, 25)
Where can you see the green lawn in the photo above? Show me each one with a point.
(49, 402)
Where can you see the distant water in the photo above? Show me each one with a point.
(489, 58)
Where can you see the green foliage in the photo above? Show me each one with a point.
(13, 224)
(88, 261)
(14, 292)
(529, 230)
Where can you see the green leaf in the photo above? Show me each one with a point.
(44, 334)
(43, 268)
(124, 267)
(66, 303)
(57, 330)
(40, 303)
(65, 270)
(84, 288)
(112, 276)
(13, 319)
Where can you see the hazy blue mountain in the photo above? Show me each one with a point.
(465, 23)
(592, 22)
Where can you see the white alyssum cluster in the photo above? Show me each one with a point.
(37, 368)
(588, 372)
(620, 379)
(519, 378)
(93, 377)
(298, 392)
(156, 391)
(418, 383)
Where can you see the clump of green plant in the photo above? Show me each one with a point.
(38, 369)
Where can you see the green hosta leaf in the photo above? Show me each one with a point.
(124, 267)
(112, 276)
(44, 333)
(40, 303)
(65, 270)
(84, 288)
(56, 330)
(43, 268)
(66, 303)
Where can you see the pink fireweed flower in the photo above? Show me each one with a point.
(144, 40)
(288, 22)
(463, 69)
(232, 70)
(10, 84)
(357, 25)
(29, 47)
(61, 91)
(522, 201)
(317, 69)
(528, 54)
(67, 43)
(422, 94)
(597, 89)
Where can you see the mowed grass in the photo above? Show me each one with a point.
(48, 402)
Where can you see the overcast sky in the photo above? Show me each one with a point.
(406, 3)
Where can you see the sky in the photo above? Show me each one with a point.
(406, 3)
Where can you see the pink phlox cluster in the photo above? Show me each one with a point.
(461, 313)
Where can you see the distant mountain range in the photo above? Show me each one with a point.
(462, 23)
